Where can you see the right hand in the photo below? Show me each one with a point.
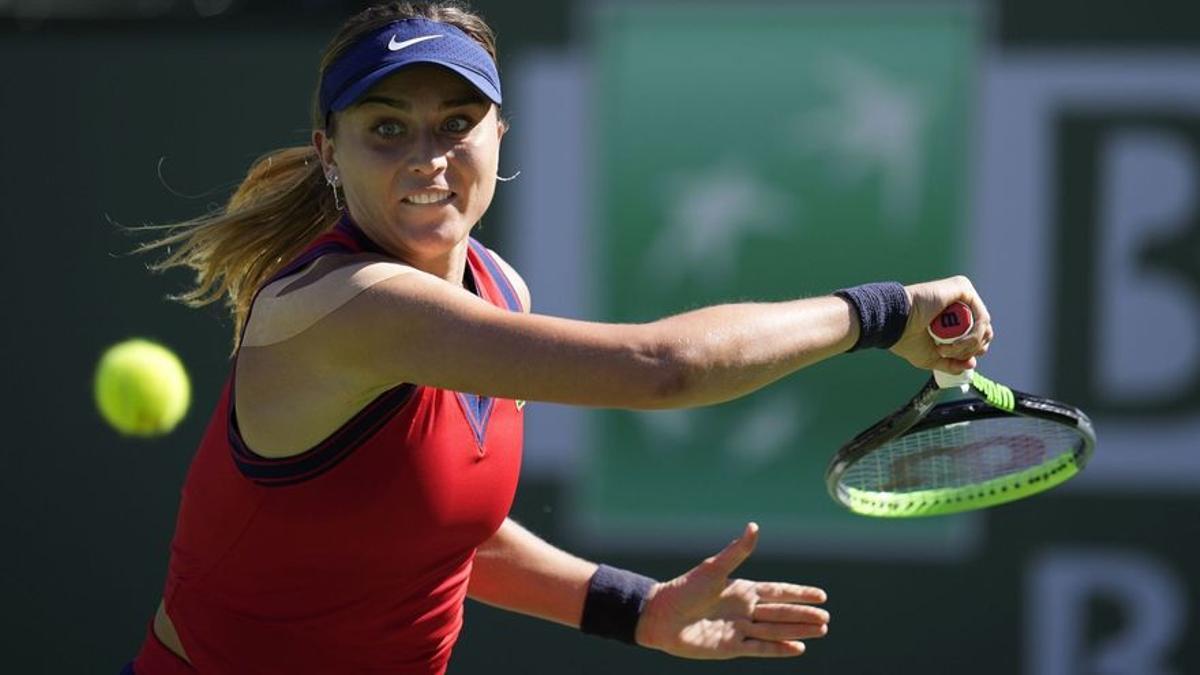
(926, 301)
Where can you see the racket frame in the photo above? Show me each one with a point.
(924, 411)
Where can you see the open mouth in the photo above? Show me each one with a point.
(429, 198)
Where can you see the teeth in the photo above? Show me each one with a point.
(431, 197)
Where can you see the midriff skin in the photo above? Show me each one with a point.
(164, 630)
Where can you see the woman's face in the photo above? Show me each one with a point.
(417, 158)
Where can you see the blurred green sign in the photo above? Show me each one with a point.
(766, 154)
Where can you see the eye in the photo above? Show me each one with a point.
(389, 129)
(458, 124)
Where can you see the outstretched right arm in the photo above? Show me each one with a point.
(416, 328)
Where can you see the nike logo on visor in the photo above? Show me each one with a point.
(397, 46)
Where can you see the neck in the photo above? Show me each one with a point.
(450, 265)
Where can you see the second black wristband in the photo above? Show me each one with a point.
(614, 603)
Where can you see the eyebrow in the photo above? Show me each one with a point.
(402, 104)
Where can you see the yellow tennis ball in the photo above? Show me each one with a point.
(141, 388)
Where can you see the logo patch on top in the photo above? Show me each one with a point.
(397, 46)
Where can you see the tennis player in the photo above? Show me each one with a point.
(353, 485)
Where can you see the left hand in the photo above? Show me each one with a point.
(703, 614)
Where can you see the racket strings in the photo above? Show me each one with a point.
(961, 455)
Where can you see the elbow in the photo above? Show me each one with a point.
(674, 376)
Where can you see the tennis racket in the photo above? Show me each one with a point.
(935, 456)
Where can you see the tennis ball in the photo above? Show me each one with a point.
(141, 388)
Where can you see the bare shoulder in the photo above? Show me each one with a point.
(290, 395)
(515, 279)
(289, 306)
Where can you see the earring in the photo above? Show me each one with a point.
(332, 179)
(504, 179)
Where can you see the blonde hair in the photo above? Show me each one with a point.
(284, 202)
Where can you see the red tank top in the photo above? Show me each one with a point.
(354, 556)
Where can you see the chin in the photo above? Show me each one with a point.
(435, 239)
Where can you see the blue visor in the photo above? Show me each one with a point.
(383, 52)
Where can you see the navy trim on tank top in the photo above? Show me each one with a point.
(347, 226)
(282, 471)
(477, 409)
(305, 259)
(510, 294)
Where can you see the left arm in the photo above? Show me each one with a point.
(517, 571)
(701, 614)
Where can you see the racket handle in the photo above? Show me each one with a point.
(950, 380)
(953, 324)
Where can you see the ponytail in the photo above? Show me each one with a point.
(281, 206)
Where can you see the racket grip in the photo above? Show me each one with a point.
(950, 380)
(954, 323)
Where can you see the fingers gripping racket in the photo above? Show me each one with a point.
(935, 456)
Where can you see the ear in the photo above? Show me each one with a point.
(324, 145)
(501, 127)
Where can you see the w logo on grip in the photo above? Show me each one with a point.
(949, 320)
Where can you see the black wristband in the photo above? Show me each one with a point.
(882, 313)
(615, 600)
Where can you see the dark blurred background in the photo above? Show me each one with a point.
(1075, 208)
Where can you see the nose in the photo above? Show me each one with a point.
(426, 156)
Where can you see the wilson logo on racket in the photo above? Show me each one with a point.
(952, 324)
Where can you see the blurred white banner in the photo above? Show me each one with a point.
(1087, 247)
